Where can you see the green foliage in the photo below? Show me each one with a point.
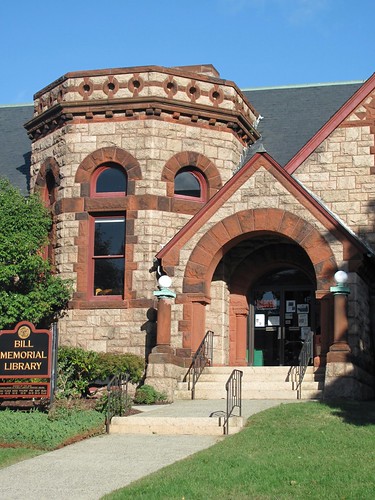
(9, 456)
(118, 404)
(78, 368)
(110, 364)
(39, 430)
(28, 289)
(147, 395)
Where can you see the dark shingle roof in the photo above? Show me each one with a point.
(15, 145)
(292, 115)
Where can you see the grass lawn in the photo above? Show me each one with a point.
(27, 434)
(9, 456)
(310, 450)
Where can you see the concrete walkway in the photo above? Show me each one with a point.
(92, 468)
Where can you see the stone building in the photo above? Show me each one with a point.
(250, 201)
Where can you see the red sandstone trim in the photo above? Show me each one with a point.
(265, 160)
(331, 125)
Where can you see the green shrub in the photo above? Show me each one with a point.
(147, 395)
(110, 364)
(78, 368)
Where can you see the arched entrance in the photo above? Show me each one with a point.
(269, 282)
(230, 260)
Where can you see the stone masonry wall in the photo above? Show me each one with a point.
(341, 171)
(261, 190)
(152, 143)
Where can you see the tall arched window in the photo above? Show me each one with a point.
(107, 248)
(190, 183)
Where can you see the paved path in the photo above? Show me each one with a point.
(92, 468)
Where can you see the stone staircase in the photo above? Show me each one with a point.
(258, 382)
(262, 387)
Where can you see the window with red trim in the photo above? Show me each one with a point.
(108, 255)
(189, 183)
(109, 180)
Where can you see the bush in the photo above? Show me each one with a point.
(78, 368)
(147, 395)
(110, 364)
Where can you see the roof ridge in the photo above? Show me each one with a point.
(18, 105)
(303, 85)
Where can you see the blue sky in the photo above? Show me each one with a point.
(252, 42)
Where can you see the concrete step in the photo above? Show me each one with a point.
(203, 426)
(265, 382)
(207, 393)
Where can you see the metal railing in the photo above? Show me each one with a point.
(201, 359)
(117, 394)
(234, 396)
(304, 358)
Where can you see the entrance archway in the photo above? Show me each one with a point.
(231, 258)
(272, 282)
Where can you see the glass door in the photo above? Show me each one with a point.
(280, 319)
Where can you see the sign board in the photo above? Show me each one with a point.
(25, 353)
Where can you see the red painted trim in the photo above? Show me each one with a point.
(92, 258)
(199, 176)
(327, 219)
(107, 194)
(330, 126)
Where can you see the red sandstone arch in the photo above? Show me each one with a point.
(214, 245)
(105, 155)
(49, 165)
(237, 227)
(190, 158)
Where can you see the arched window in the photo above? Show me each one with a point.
(109, 180)
(107, 248)
(190, 183)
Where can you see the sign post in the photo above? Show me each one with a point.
(25, 353)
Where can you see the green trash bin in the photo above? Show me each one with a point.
(258, 357)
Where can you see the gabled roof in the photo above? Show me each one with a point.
(15, 149)
(293, 114)
(331, 124)
(327, 218)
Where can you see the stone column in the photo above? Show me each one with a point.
(340, 348)
(163, 326)
(339, 378)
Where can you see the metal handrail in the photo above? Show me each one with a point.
(306, 354)
(234, 396)
(117, 394)
(202, 358)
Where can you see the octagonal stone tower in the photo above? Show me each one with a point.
(149, 123)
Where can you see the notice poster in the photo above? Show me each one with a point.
(273, 321)
(303, 320)
(260, 320)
